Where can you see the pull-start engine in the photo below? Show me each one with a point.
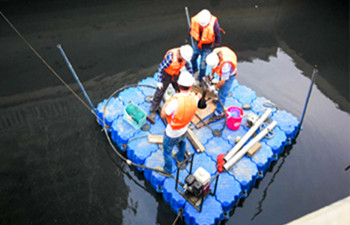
(198, 183)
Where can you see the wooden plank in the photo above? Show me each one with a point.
(158, 139)
(254, 149)
(197, 145)
(203, 113)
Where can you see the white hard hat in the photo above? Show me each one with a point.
(212, 60)
(186, 79)
(186, 52)
(204, 17)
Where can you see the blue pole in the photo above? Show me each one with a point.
(314, 72)
(75, 75)
(189, 25)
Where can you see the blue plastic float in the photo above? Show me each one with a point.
(233, 184)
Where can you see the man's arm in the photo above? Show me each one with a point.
(168, 108)
(164, 64)
(217, 34)
(162, 112)
(226, 72)
(220, 84)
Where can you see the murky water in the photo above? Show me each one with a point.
(56, 165)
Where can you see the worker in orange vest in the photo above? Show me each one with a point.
(205, 31)
(179, 110)
(168, 72)
(223, 62)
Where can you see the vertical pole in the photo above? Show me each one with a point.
(216, 184)
(75, 75)
(202, 200)
(191, 163)
(177, 178)
(314, 72)
(189, 25)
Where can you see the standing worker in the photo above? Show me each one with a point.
(168, 72)
(205, 30)
(223, 61)
(179, 110)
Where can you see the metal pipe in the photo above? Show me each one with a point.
(246, 148)
(189, 24)
(245, 138)
(192, 157)
(177, 178)
(216, 185)
(314, 72)
(75, 75)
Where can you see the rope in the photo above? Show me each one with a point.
(128, 161)
(178, 216)
(47, 65)
(270, 105)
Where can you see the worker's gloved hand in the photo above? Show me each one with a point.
(206, 77)
(159, 85)
(212, 89)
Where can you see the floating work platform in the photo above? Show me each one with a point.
(232, 185)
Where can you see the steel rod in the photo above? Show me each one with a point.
(75, 75)
(314, 72)
(189, 25)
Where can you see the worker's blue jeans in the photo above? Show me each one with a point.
(203, 52)
(168, 145)
(223, 93)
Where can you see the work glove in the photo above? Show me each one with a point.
(212, 89)
(159, 85)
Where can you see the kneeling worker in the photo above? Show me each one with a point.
(168, 72)
(223, 62)
(179, 110)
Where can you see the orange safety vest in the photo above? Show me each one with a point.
(187, 106)
(228, 56)
(208, 34)
(174, 67)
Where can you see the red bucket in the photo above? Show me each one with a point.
(234, 117)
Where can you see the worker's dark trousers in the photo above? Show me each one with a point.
(166, 80)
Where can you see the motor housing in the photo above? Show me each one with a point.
(198, 183)
(252, 118)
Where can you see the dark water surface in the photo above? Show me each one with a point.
(56, 166)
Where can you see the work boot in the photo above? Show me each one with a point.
(152, 115)
(181, 165)
(196, 74)
(162, 171)
(196, 83)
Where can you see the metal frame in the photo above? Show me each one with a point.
(194, 202)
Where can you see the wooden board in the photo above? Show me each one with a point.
(197, 145)
(254, 149)
(158, 139)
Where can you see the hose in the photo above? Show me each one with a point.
(126, 160)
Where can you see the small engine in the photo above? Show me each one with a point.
(197, 183)
(252, 119)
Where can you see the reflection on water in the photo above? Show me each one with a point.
(321, 152)
(281, 161)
